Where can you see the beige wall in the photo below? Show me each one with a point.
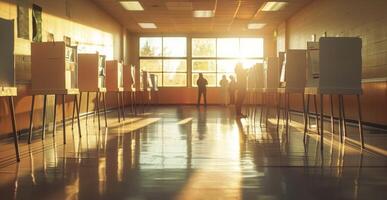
(354, 18)
(87, 24)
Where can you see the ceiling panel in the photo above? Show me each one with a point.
(231, 16)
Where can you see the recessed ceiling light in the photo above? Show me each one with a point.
(132, 5)
(274, 5)
(255, 26)
(147, 25)
(203, 13)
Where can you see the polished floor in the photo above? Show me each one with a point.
(189, 153)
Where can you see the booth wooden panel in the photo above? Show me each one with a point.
(54, 68)
(293, 72)
(114, 76)
(7, 71)
(128, 71)
(90, 77)
(271, 73)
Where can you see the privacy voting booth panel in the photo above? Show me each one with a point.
(129, 71)
(7, 71)
(293, 71)
(54, 68)
(335, 65)
(114, 76)
(271, 73)
(92, 72)
(255, 77)
(154, 81)
(146, 83)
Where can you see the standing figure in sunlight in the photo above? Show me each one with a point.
(232, 89)
(224, 89)
(202, 88)
(241, 75)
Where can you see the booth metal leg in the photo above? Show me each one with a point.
(360, 121)
(104, 108)
(77, 107)
(54, 123)
(123, 106)
(305, 116)
(97, 110)
(287, 111)
(332, 116)
(267, 113)
(344, 120)
(73, 117)
(321, 121)
(262, 108)
(31, 119)
(87, 105)
(15, 135)
(44, 117)
(278, 109)
(316, 113)
(307, 119)
(64, 118)
(118, 107)
(340, 120)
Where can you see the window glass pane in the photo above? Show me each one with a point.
(150, 46)
(203, 65)
(251, 47)
(175, 65)
(228, 47)
(220, 77)
(227, 65)
(211, 79)
(203, 47)
(151, 65)
(175, 79)
(174, 47)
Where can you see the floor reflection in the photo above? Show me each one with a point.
(189, 153)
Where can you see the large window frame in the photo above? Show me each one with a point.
(218, 74)
(163, 73)
(190, 74)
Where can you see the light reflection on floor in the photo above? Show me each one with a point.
(185, 153)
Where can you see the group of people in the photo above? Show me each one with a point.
(232, 91)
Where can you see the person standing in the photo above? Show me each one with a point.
(202, 88)
(241, 75)
(224, 89)
(232, 89)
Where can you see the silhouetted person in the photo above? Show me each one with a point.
(202, 88)
(232, 89)
(241, 75)
(224, 89)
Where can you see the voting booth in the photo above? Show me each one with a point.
(292, 81)
(334, 68)
(7, 72)
(115, 84)
(129, 85)
(54, 71)
(92, 78)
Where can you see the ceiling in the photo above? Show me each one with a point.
(175, 16)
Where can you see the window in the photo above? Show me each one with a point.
(150, 47)
(203, 47)
(166, 57)
(215, 57)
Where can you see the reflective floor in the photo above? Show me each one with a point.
(189, 153)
